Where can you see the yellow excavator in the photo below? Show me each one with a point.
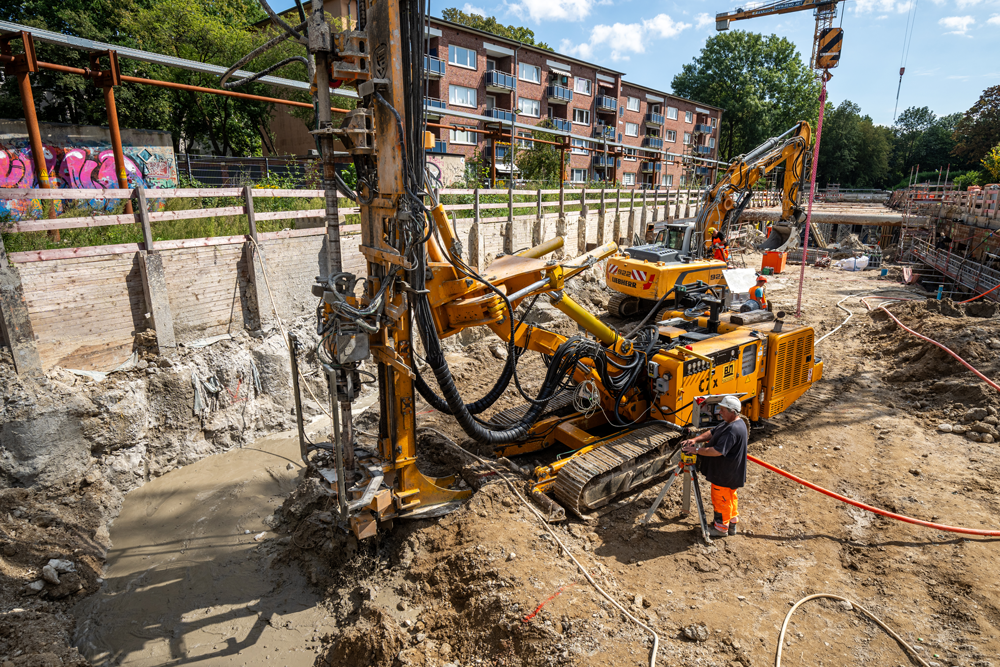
(616, 405)
(645, 277)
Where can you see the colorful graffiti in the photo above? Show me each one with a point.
(91, 167)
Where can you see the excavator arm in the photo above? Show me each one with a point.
(724, 201)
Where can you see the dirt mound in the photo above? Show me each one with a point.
(944, 386)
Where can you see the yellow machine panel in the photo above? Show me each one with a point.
(790, 369)
(649, 280)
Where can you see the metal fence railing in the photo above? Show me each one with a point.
(222, 172)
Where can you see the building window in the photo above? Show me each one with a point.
(654, 108)
(628, 179)
(632, 104)
(524, 143)
(630, 154)
(650, 132)
(672, 136)
(530, 73)
(578, 147)
(529, 107)
(632, 129)
(683, 179)
(669, 179)
(462, 96)
(581, 116)
(671, 113)
(463, 137)
(581, 86)
(669, 159)
(711, 142)
(714, 120)
(462, 57)
(688, 117)
(578, 175)
(687, 138)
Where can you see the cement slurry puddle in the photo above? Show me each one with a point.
(187, 582)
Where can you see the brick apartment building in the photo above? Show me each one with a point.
(618, 131)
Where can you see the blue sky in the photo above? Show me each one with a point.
(952, 59)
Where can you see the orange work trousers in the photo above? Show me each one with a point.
(724, 502)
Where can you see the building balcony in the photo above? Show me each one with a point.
(652, 142)
(602, 131)
(431, 106)
(499, 82)
(702, 150)
(434, 67)
(502, 153)
(703, 129)
(502, 115)
(648, 167)
(561, 125)
(701, 171)
(654, 119)
(439, 147)
(602, 161)
(558, 94)
(606, 103)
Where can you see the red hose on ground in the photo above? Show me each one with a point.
(934, 342)
(981, 295)
(869, 508)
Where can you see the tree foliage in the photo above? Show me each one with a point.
(991, 163)
(978, 130)
(491, 25)
(541, 162)
(760, 81)
(854, 152)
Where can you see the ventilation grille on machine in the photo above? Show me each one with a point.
(792, 368)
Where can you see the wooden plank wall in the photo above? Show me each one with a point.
(85, 311)
(208, 290)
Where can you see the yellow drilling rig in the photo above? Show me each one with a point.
(617, 403)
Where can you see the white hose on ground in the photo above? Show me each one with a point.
(583, 570)
(854, 605)
(850, 314)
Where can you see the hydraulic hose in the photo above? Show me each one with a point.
(981, 295)
(874, 510)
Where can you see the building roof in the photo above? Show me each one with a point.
(514, 42)
(666, 94)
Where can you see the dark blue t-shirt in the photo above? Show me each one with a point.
(730, 469)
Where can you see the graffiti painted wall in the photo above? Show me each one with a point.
(78, 156)
(446, 169)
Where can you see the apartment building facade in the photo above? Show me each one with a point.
(614, 131)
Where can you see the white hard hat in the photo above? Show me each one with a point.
(732, 403)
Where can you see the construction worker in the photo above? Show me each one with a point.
(720, 247)
(758, 293)
(723, 463)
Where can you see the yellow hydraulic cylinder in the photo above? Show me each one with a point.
(543, 248)
(581, 316)
(444, 228)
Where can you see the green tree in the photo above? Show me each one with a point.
(491, 25)
(979, 128)
(68, 98)
(541, 162)
(854, 152)
(761, 82)
(991, 163)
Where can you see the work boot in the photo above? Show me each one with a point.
(715, 532)
(732, 528)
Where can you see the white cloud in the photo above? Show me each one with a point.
(962, 4)
(704, 20)
(881, 6)
(957, 25)
(469, 9)
(994, 20)
(625, 38)
(940, 2)
(882, 18)
(551, 10)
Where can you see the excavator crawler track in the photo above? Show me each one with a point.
(513, 415)
(623, 305)
(596, 478)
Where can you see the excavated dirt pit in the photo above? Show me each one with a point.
(185, 583)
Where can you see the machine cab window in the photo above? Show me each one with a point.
(671, 237)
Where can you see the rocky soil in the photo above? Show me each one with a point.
(895, 422)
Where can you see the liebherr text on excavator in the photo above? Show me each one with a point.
(616, 403)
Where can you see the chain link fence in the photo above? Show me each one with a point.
(227, 172)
